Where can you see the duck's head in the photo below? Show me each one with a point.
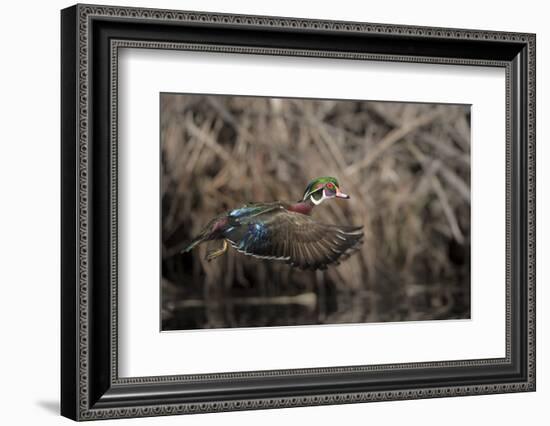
(323, 188)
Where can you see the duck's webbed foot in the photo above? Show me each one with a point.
(217, 253)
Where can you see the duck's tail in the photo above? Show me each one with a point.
(195, 242)
(207, 233)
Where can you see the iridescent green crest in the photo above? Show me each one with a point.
(317, 184)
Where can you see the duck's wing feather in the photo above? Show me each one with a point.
(292, 237)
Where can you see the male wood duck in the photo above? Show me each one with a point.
(285, 231)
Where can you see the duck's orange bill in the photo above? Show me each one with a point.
(340, 194)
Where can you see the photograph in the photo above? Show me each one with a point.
(292, 211)
(267, 209)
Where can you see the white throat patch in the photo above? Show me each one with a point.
(319, 201)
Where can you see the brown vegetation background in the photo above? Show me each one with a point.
(406, 167)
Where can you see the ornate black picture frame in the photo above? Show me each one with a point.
(90, 385)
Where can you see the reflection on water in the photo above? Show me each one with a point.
(273, 303)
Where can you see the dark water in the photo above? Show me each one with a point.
(198, 300)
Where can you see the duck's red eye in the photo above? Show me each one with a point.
(330, 186)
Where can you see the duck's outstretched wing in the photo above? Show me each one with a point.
(294, 238)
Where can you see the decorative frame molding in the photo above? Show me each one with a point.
(91, 37)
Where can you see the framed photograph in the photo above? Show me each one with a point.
(263, 212)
